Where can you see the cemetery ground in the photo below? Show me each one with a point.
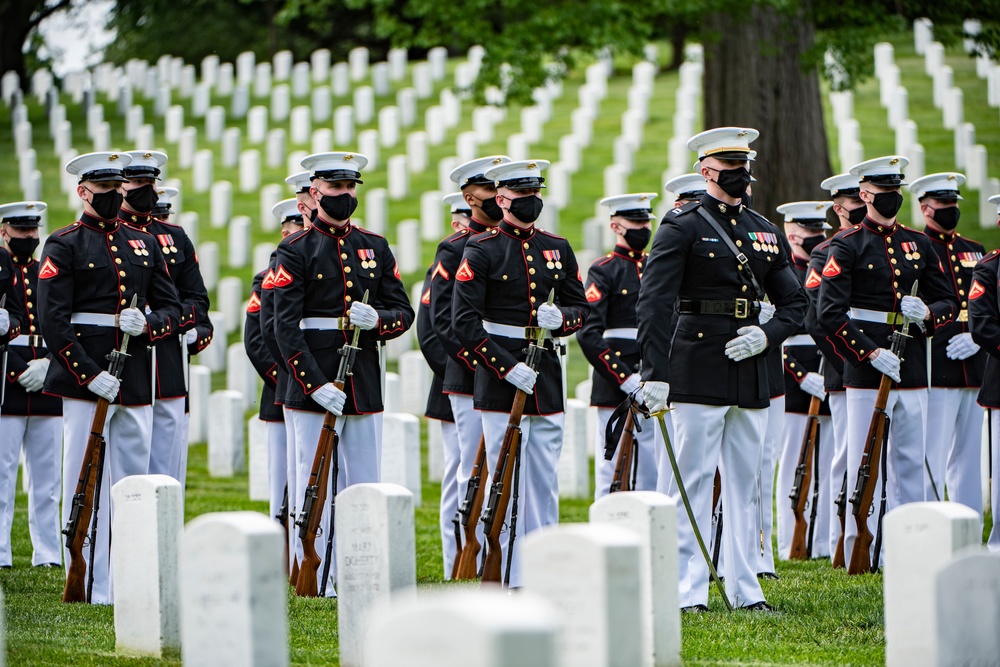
(825, 617)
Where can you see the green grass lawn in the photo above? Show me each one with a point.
(826, 617)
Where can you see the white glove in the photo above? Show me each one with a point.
(4, 322)
(887, 363)
(331, 398)
(522, 377)
(813, 385)
(190, 337)
(630, 384)
(364, 316)
(132, 321)
(913, 308)
(105, 385)
(961, 347)
(655, 394)
(766, 311)
(33, 377)
(549, 317)
(751, 341)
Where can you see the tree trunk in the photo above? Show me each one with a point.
(755, 77)
(15, 24)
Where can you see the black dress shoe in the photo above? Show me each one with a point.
(767, 575)
(6, 567)
(49, 565)
(695, 609)
(761, 606)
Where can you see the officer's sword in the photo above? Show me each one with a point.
(690, 512)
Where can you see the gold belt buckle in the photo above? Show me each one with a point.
(530, 333)
(893, 318)
(344, 322)
(742, 308)
(963, 315)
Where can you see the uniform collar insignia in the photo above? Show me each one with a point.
(627, 253)
(517, 232)
(882, 230)
(98, 224)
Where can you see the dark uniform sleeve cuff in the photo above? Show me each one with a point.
(188, 320)
(464, 357)
(793, 367)
(940, 316)
(613, 366)
(853, 340)
(72, 358)
(390, 325)
(572, 322)
(494, 358)
(308, 381)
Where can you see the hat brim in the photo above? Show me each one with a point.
(22, 222)
(738, 156)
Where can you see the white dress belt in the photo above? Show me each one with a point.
(799, 339)
(33, 340)
(627, 333)
(325, 323)
(879, 316)
(95, 319)
(511, 331)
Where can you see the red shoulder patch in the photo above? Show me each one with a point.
(282, 278)
(426, 298)
(48, 270)
(395, 270)
(813, 280)
(832, 268)
(253, 306)
(439, 270)
(593, 294)
(268, 282)
(464, 273)
(579, 276)
(976, 290)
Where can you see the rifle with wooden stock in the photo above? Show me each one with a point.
(308, 521)
(841, 503)
(804, 478)
(467, 561)
(87, 498)
(876, 443)
(505, 477)
(623, 478)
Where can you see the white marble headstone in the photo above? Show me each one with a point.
(225, 433)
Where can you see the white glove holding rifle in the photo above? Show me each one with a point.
(886, 363)
(522, 377)
(330, 398)
(105, 385)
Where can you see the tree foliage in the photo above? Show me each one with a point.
(18, 20)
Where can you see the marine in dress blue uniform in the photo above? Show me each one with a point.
(862, 298)
(501, 291)
(703, 350)
(321, 276)
(984, 320)
(955, 421)
(608, 339)
(168, 450)
(805, 225)
(32, 421)
(89, 273)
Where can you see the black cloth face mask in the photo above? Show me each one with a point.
(339, 207)
(809, 243)
(106, 204)
(491, 209)
(142, 199)
(887, 203)
(947, 218)
(637, 239)
(734, 182)
(857, 216)
(526, 209)
(22, 247)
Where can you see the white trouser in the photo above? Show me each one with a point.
(538, 490)
(646, 467)
(41, 438)
(127, 434)
(954, 446)
(770, 444)
(277, 465)
(907, 411)
(664, 473)
(169, 438)
(838, 465)
(449, 495)
(791, 449)
(296, 487)
(994, 542)
(469, 427)
(359, 458)
(730, 438)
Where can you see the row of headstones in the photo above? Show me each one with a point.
(215, 591)
(969, 156)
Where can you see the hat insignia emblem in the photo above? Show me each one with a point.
(113, 157)
(741, 133)
(643, 198)
(349, 156)
(532, 165)
(497, 160)
(951, 177)
(820, 207)
(147, 155)
(894, 161)
(29, 206)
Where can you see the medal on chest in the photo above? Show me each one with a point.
(910, 251)
(139, 247)
(367, 256)
(166, 243)
(552, 259)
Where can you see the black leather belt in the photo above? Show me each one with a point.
(741, 309)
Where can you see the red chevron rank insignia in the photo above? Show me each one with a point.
(282, 278)
(253, 306)
(832, 268)
(464, 273)
(976, 290)
(813, 280)
(268, 282)
(593, 294)
(395, 270)
(426, 298)
(48, 269)
(439, 270)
